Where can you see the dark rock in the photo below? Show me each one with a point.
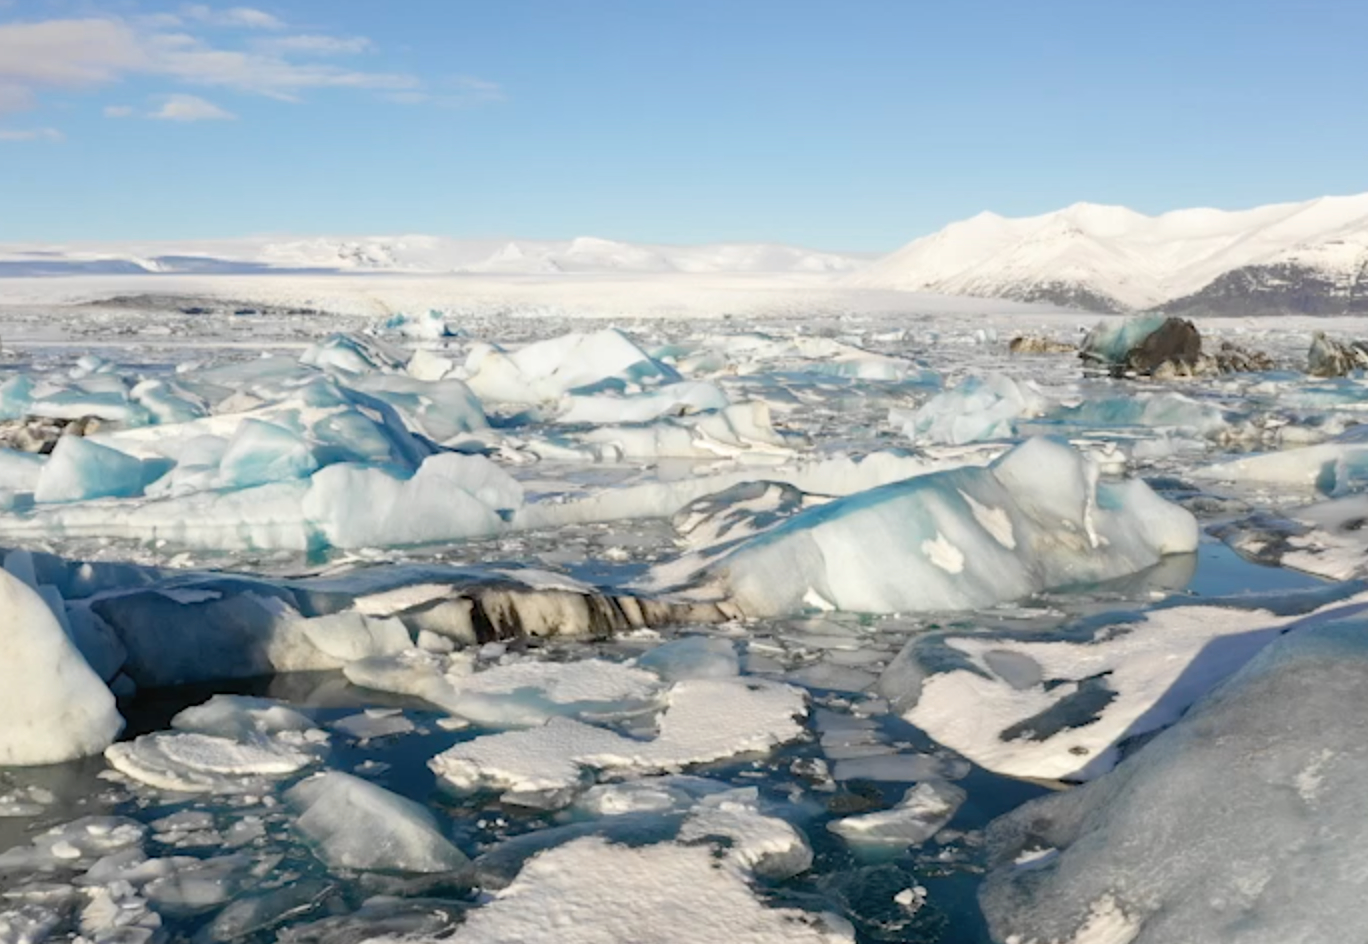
(1176, 342)
(39, 434)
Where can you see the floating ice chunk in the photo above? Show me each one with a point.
(55, 707)
(430, 326)
(360, 507)
(530, 692)
(201, 763)
(20, 471)
(76, 845)
(242, 718)
(80, 469)
(375, 723)
(354, 824)
(429, 365)
(739, 431)
(657, 892)
(919, 815)
(692, 657)
(1243, 822)
(757, 844)
(979, 408)
(351, 353)
(676, 399)
(1164, 410)
(896, 767)
(261, 452)
(1333, 468)
(168, 402)
(546, 369)
(919, 544)
(707, 720)
(647, 795)
(200, 885)
(441, 410)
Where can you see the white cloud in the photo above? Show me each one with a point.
(245, 17)
(99, 51)
(94, 51)
(311, 44)
(118, 111)
(190, 108)
(31, 134)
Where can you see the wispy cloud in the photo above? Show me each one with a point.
(190, 108)
(184, 48)
(118, 111)
(315, 45)
(243, 17)
(31, 134)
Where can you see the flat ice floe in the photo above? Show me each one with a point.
(704, 720)
(591, 892)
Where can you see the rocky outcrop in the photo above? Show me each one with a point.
(1330, 358)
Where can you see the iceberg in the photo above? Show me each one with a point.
(545, 370)
(1037, 518)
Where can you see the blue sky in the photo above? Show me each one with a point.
(843, 125)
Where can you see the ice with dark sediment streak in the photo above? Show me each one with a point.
(1244, 822)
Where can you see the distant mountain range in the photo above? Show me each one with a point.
(414, 254)
(1308, 258)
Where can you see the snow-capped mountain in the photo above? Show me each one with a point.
(416, 254)
(1307, 257)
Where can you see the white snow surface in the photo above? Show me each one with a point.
(592, 892)
(1136, 260)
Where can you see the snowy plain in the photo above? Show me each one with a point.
(605, 607)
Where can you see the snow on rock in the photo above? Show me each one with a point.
(1059, 709)
(705, 720)
(1244, 822)
(54, 705)
(592, 892)
(918, 816)
(1036, 518)
(354, 824)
